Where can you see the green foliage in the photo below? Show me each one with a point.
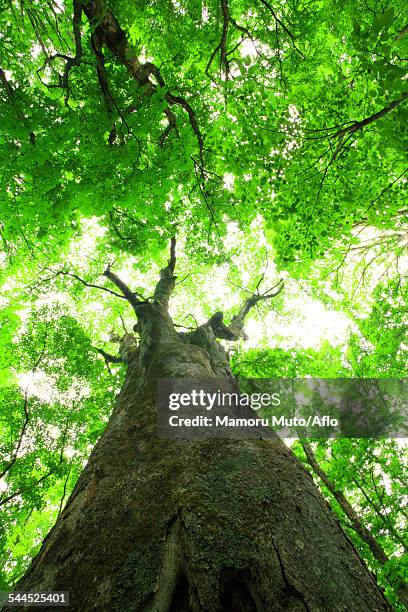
(384, 353)
(46, 436)
(272, 117)
(369, 473)
(302, 109)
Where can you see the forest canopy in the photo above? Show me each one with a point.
(270, 138)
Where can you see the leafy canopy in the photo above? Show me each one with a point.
(271, 137)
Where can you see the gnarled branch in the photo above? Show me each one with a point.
(237, 322)
(235, 330)
(110, 33)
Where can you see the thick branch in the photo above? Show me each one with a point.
(235, 330)
(129, 295)
(108, 357)
(220, 329)
(172, 260)
(100, 69)
(110, 33)
(76, 60)
(344, 504)
(359, 125)
(237, 322)
(382, 516)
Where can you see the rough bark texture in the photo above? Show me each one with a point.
(173, 526)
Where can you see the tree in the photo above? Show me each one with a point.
(178, 517)
(270, 138)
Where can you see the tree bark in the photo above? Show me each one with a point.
(160, 525)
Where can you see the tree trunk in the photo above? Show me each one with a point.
(160, 525)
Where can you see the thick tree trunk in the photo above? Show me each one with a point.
(161, 525)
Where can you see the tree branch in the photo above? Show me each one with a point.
(359, 125)
(227, 20)
(167, 280)
(348, 510)
(355, 520)
(10, 464)
(100, 69)
(237, 322)
(81, 280)
(108, 357)
(222, 45)
(172, 260)
(113, 36)
(219, 328)
(4, 500)
(235, 330)
(76, 60)
(129, 295)
(34, 367)
(283, 26)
